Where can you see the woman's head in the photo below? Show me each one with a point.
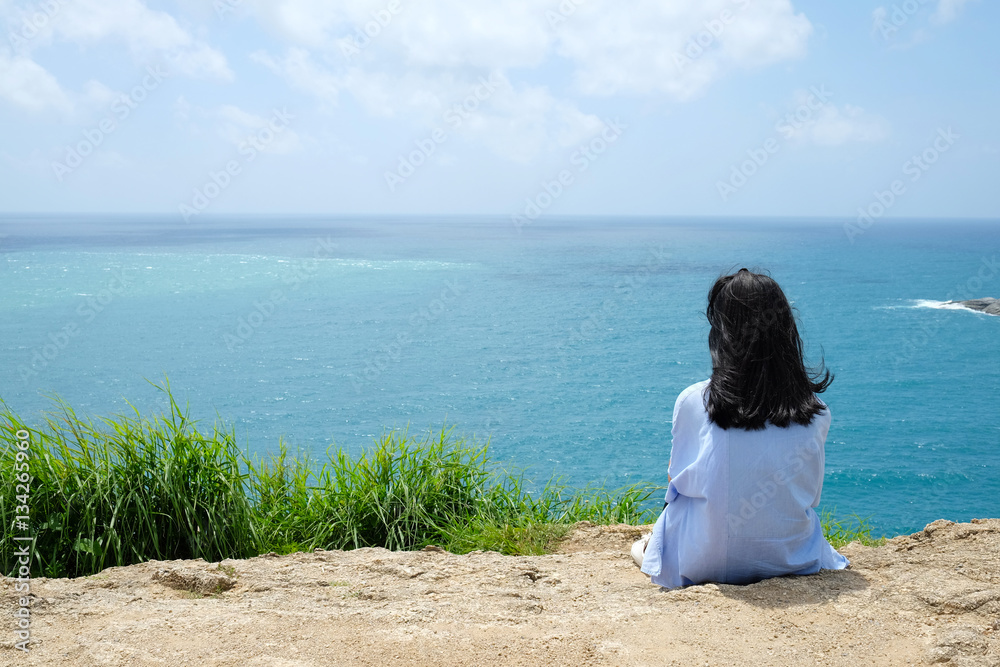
(758, 373)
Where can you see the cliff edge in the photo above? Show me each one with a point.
(933, 596)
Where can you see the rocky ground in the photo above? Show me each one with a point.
(933, 596)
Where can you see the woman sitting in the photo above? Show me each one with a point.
(746, 463)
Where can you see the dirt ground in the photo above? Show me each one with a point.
(933, 596)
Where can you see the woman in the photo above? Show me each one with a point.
(746, 463)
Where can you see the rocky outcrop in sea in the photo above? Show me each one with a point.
(988, 305)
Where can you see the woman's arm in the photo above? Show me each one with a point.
(824, 429)
(687, 420)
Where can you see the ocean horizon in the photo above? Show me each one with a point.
(563, 342)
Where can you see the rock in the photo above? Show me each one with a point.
(987, 305)
(935, 526)
(962, 642)
(195, 581)
(396, 569)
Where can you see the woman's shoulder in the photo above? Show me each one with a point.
(696, 388)
(697, 391)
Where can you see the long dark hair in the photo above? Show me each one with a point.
(758, 373)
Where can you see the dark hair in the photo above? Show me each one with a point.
(758, 373)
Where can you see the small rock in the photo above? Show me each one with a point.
(961, 641)
(935, 526)
(195, 581)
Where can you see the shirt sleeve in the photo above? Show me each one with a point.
(824, 429)
(684, 434)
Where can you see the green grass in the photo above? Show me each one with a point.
(131, 488)
(124, 490)
(841, 531)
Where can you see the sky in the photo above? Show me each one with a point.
(520, 108)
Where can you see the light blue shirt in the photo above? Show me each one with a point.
(741, 502)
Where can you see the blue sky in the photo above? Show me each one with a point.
(512, 107)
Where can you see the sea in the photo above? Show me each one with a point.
(561, 342)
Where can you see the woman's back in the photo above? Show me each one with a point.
(741, 501)
(746, 464)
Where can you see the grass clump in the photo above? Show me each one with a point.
(227, 570)
(842, 531)
(125, 490)
(130, 488)
(406, 493)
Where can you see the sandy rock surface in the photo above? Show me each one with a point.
(930, 597)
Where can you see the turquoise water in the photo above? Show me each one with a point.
(565, 342)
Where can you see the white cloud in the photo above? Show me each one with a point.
(149, 34)
(298, 68)
(823, 123)
(677, 48)
(97, 95)
(638, 50)
(182, 109)
(836, 126)
(887, 23)
(441, 33)
(272, 130)
(521, 124)
(305, 22)
(199, 61)
(90, 21)
(418, 57)
(28, 85)
(236, 126)
(947, 11)
(458, 33)
(515, 122)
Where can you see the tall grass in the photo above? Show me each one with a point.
(124, 490)
(131, 488)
